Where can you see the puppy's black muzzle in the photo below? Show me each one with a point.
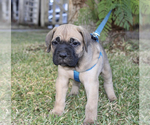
(64, 55)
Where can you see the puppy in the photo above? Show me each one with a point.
(81, 58)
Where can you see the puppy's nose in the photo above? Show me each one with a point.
(63, 54)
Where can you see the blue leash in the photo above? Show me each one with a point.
(95, 35)
(101, 26)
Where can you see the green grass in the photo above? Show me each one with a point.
(144, 87)
(33, 87)
(5, 77)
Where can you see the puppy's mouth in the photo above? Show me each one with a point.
(68, 61)
(63, 62)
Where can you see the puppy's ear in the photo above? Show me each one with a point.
(48, 39)
(86, 37)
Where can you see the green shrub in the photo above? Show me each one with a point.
(124, 13)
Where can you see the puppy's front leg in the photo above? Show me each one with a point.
(61, 91)
(91, 88)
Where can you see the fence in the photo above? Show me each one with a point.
(29, 11)
(5, 11)
(14, 10)
(57, 12)
(40, 12)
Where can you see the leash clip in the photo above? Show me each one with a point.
(95, 34)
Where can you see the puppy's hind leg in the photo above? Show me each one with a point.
(75, 88)
(108, 84)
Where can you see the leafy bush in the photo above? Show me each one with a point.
(124, 13)
(145, 12)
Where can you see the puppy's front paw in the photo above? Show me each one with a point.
(112, 98)
(88, 122)
(56, 112)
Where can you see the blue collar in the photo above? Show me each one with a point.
(94, 35)
(76, 73)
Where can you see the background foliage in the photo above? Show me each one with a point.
(145, 12)
(124, 15)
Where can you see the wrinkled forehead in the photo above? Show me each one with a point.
(65, 32)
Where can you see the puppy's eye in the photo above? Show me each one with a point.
(74, 42)
(54, 43)
(58, 39)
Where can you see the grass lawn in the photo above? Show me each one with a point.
(33, 86)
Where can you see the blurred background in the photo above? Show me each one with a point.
(88, 13)
(47, 13)
(39, 13)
